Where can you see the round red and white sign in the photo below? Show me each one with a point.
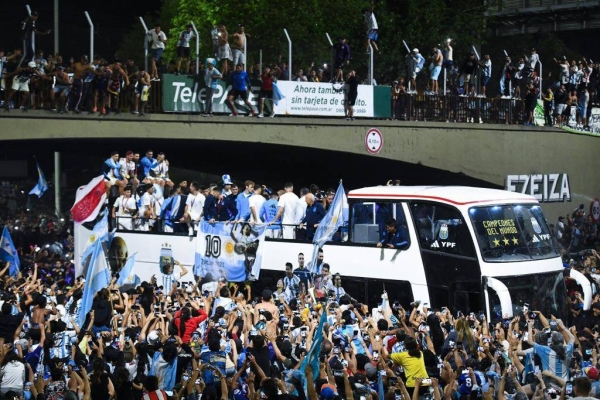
(373, 141)
(595, 210)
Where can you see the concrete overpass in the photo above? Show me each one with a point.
(485, 152)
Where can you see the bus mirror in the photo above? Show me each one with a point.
(586, 286)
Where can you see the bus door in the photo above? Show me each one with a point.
(449, 257)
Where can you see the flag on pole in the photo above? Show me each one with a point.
(8, 252)
(312, 357)
(127, 275)
(88, 200)
(42, 184)
(329, 225)
(99, 234)
(97, 278)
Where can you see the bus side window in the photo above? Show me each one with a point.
(443, 229)
(369, 221)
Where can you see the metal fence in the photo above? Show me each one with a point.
(415, 107)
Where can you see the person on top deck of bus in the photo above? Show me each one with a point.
(396, 236)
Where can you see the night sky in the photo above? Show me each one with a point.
(111, 18)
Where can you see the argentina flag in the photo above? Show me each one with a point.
(42, 184)
(8, 252)
(96, 279)
(329, 225)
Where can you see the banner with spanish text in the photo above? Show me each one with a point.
(187, 94)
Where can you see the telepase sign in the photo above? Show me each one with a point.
(546, 188)
(188, 94)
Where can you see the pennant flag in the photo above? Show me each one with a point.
(88, 200)
(99, 234)
(329, 225)
(127, 274)
(42, 184)
(312, 357)
(8, 252)
(97, 278)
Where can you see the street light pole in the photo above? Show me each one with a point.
(56, 50)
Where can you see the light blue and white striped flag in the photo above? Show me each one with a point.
(330, 224)
(9, 253)
(42, 184)
(97, 278)
(127, 275)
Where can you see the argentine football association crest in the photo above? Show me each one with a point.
(536, 226)
(444, 232)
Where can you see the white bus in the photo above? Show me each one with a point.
(470, 249)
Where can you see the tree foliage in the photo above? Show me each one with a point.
(421, 24)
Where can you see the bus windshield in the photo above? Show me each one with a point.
(509, 233)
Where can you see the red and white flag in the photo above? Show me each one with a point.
(88, 200)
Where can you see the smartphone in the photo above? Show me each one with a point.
(375, 355)
(569, 388)
(426, 382)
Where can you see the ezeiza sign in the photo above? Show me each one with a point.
(546, 188)
(187, 94)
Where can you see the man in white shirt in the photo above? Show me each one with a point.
(148, 208)
(286, 208)
(183, 49)
(128, 168)
(255, 202)
(486, 65)
(372, 29)
(533, 59)
(124, 210)
(193, 207)
(158, 39)
(301, 208)
(560, 228)
(160, 172)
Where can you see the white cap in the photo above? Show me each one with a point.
(415, 50)
(227, 180)
(32, 64)
(153, 337)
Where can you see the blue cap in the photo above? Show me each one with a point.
(226, 180)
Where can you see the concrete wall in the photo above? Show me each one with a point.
(487, 152)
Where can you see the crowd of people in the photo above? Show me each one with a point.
(223, 340)
(142, 197)
(113, 86)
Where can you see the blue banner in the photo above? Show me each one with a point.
(229, 250)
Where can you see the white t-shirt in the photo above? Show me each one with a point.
(195, 205)
(487, 68)
(288, 201)
(255, 201)
(148, 201)
(156, 38)
(371, 21)
(184, 38)
(560, 227)
(533, 60)
(161, 170)
(301, 209)
(448, 53)
(127, 168)
(123, 203)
